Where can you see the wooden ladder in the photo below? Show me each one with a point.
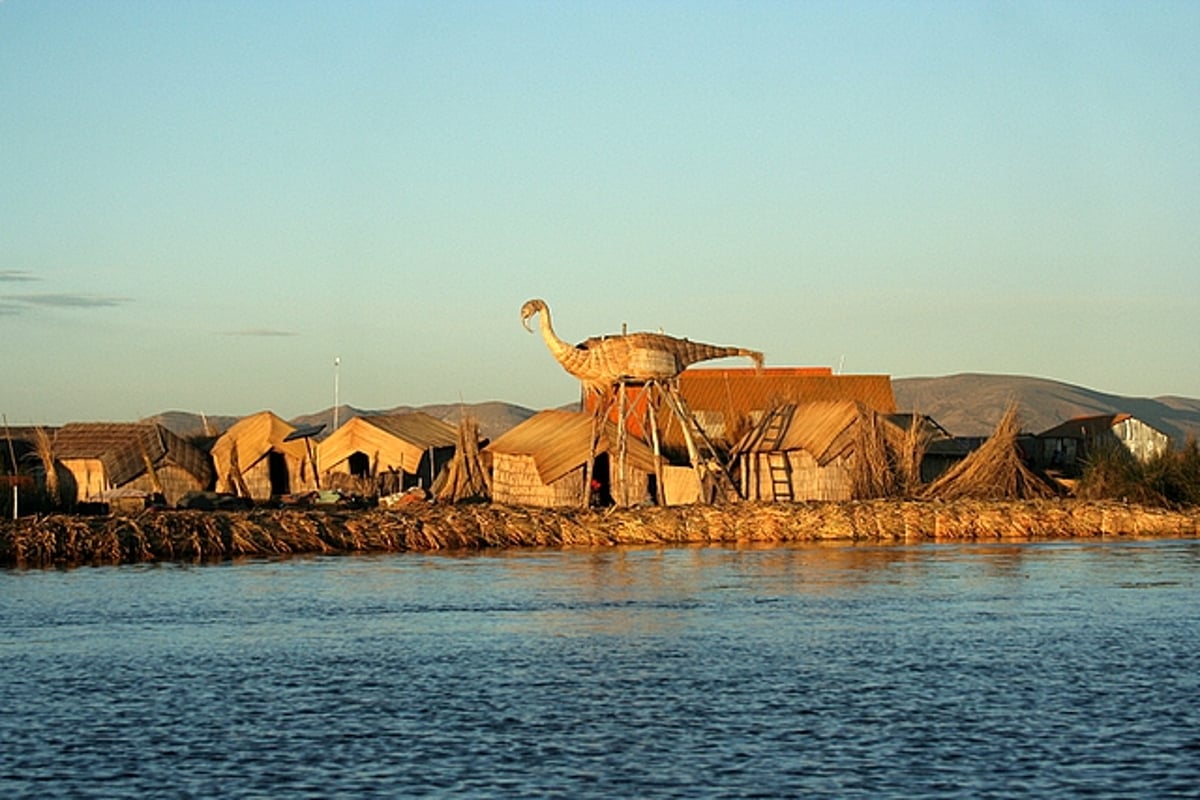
(702, 452)
(778, 467)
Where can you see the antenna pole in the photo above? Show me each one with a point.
(337, 363)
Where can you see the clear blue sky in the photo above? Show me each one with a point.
(202, 204)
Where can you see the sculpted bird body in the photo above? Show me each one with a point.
(602, 361)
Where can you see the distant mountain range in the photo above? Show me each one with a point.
(965, 405)
(494, 418)
(972, 404)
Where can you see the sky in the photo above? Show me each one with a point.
(225, 207)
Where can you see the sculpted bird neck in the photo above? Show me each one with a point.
(563, 352)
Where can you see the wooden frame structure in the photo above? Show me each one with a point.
(641, 412)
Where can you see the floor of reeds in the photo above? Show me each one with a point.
(64, 540)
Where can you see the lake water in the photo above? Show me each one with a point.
(1066, 669)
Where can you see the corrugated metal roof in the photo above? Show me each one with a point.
(392, 440)
(120, 447)
(1085, 427)
(742, 391)
(559, 442)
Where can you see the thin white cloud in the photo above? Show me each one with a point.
(260, 332)
(16, 275)
(64, 300)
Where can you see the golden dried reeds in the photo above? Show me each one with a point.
(996, 471)
(464, 477)
(871, 470)
(45, 451)
(200, 536)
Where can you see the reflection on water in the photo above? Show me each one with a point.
(1007, 670)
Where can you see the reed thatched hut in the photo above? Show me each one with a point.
(543, 462)
(388, 453)
(832, 450)
(111, 461)
(18, 450)
(254, 459)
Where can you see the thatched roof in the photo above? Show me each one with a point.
(394, 441)
(559, 442)
(825, 430)
(123, 447)
(24, 448)
(256, 436)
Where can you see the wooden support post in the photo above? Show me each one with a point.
(599, 417)
(660, 492)
(621, 496)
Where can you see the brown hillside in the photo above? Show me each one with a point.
(972, 404)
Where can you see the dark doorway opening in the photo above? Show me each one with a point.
(280, 480)
(360, 465)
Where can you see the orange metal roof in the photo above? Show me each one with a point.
(1084, 427)
(742, 391)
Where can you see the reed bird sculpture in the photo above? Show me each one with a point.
(603, 361)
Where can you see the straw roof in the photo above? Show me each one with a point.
(123, 447)
(559, 442)
(24, 447)
(394, 441)
(256, 436)
(825, 430)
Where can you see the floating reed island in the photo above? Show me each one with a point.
(213, 536)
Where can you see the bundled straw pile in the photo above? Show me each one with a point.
(464, 477)
(996, 471)
(195, 536)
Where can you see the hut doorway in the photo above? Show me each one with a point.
(359, 464)
(601, 489)
(278, 470)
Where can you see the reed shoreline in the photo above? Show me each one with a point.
(61, 540)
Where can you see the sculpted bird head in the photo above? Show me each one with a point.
(530, 308)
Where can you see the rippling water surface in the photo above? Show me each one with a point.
(1035, 670)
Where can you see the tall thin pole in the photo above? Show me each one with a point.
(337, 362)
(12, 457)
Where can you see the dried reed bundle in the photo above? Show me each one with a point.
(465, 477)
(45, 451)
(908, 453)
(996, 471)
(871, 473)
